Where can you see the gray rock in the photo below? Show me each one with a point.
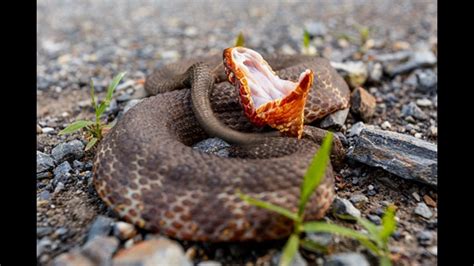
(101, 226)
(78, 164)
(424, 102)
(213, 146)
(100, 249)
(418, 59)
(356, 129)
(375, 72)
(413, 110)
(124, 230)
(323, 239)
(343, 209)
(44, 162)
(399, 154)
(62, 170)
(398, 56)
(161, 251)
(427, 80)
(298, 260)
(43, 175)
(355, 72)
(65, 151)
(423, 210)
(316, 29)
(59, 187)
(425, 237)
(113, 107)
(41, 246)
(374, 219)
(347, 259)
(335, 120)
(43, 231)
(44, 195)
(358, 199)
(47, 130)
(209, 263)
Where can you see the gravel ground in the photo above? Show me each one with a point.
(80, 40)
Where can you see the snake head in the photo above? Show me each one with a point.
(265, 98)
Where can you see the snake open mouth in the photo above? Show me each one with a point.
(267, 99)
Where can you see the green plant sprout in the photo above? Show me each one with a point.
(306, 39)
(375, 240)
(240, 40)
(95, 129)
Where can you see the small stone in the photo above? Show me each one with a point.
(43, 175)
(347, 259)
(375, 72)
(209, 263)
(335, 120)
(65, 151)
(424, 102)
(424, 237)
(113, 107)
(43, 231)
(316, 29)
(323, 239)
(400, 45)
(101, 226)
(358, 199)
(423, 210)
(47, 130)
(343, 209)
(62, 170)
(44, 162)
(371, 187)
(78, 164)
(297, 260)
(39, 130)
(386, 125)
(427, 80)
(130, 104)
(356, 129)
(44, 195)
(371, 193)
(362, 103)
(433, 250)
(418, 59)
(213, 146)
(374, 219)
(416, 196)
(418, 135)
(124, 230)
(287, 49)
(161, 251)
(170, 55)
(394, 151)
(355, 72)
(433, 131)
(59, 187)
(100, 249)
(429, 201)
(44, 244)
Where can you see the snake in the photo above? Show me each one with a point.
(147, 171)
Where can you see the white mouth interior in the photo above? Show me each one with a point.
(263, 84)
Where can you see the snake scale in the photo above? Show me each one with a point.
(146, 170)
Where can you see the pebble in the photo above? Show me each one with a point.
(347, 259)
(342, 208)
(77, 164)
(124, 230)
(423, 210)
(335, 120)
(424, 102)
(413, 110)
(101, 226)
(44, 162)
(42, 245)
(355, 72)
(298, 260)
(100, 249)
(427, 80)
(394, 151)
(59, 187)
(429, 201)
(362, 104)
(358, 199)
(433, 131)
(374, 219)
(161, 251)
(416, 196)
(43, 231)
(47, 130)
(62, 171)
(213, 146)
(356, 129)
(418, 135)
(209, 263)
(39, 130)
(44, 195)
(323, 239)
(386, 125)
(418, 59)
(65, 151)
(433, 250)
(375, 72)
(425, 237)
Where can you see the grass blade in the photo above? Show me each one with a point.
(385, 261)
(315, 172)
(240, 41)
(313, 246)
(306, 39)
(91, 144)
(113, 85)
(389, 224)
(339, 230)
(77, 125)
(289, 251)
(371, 228)
(93, 95)
(268, 206)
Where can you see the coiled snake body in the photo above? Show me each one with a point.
(147, 171)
